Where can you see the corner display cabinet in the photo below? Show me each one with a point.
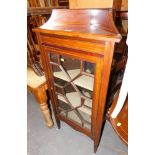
(77, 49)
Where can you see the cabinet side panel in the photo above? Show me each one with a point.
(105, 67)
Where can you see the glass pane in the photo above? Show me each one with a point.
(74, 81)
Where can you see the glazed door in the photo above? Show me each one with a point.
(72, 79)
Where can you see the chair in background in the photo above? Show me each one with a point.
(37, 85)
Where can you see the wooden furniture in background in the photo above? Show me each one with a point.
(63, 2)
(38, 12)
(76, 4)
(37, 85)
(40, 3)
(117, 73)
(77, 49)
(121, 5)
(121, 22)
(36, 16)
(120, 123)
(118, 112)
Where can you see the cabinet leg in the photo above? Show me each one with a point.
(56, 118)
(41, 97)
(98, 136)
(58, 123)
(95, 146)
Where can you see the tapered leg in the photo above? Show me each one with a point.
(95, 146)
(57, 120)
(98, 136)
(41, 97)
(58, 123)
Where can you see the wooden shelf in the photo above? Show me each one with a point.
(83, 81)
(74, 99)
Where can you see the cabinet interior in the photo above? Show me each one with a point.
(74, 82)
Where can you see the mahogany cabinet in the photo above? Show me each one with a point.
(77, 49)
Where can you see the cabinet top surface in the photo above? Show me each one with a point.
(85, 23)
